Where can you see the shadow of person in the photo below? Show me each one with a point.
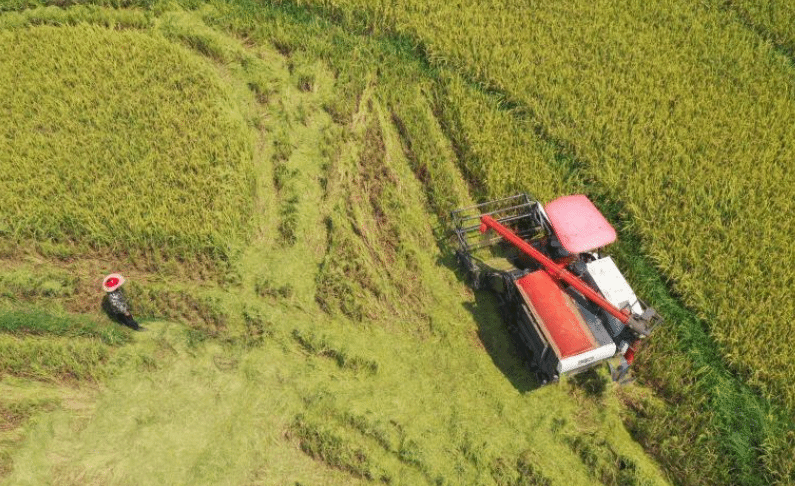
(504, 348)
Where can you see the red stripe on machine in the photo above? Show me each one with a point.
(554, 308)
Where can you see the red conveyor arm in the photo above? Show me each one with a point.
(555, 270)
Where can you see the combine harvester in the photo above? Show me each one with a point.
(567, 302)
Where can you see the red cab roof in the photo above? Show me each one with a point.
(562, 323)
(578, 224)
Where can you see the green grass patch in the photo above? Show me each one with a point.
(41, 323)
(36, 283)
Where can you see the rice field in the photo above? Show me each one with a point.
(127, 144)
(344, 302)
(680, 111)
(342, 348)
(774, 20)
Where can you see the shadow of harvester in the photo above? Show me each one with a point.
(505, 350)
(511, 356)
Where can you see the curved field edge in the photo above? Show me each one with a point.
(500, 119)
(328, 374)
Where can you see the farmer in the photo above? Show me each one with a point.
(115, 303)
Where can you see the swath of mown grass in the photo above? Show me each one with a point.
(320, 346)
(110, 148)
(36, 282)
(52, 359)
(13, 414)
(319, 441)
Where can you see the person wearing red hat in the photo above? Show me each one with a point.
(116, 303)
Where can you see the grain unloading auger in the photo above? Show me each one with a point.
(570, 305)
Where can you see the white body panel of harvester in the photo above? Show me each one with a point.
(612, 284)
(594, 356)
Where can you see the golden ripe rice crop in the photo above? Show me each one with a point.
(118, 139)
(773, 19)
(681, 111)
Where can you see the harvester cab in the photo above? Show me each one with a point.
(568, 304)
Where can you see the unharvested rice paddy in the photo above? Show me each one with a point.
(773, 20)
(118, 141)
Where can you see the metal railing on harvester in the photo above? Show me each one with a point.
(481, 254)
